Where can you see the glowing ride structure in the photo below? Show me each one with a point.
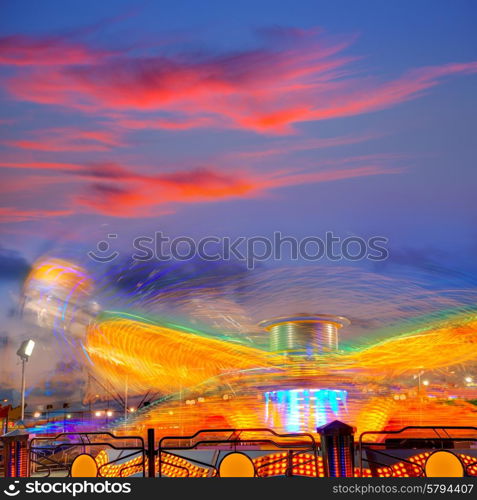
(304, 334)
(302, 380)
(302, 337)
(206, 382)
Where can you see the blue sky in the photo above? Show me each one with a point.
(420, 143)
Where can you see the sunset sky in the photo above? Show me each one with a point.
(245, 118)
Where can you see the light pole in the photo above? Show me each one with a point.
(126, 400)
(25, 352)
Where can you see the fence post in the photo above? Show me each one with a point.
(151, 455)
(16, 459)
(337, 449)
(290, 463)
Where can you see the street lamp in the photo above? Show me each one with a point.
(25, 352)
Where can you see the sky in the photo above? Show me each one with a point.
(238, 119)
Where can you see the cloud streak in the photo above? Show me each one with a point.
(289, 147)
(293, 76)
(22, 50)
(298, 77)
(11, 214)
(121, 192)
(69, 139)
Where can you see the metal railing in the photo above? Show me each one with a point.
(233, 440)
(441, 439)
(56, 454)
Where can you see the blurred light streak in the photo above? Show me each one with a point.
(164, 358)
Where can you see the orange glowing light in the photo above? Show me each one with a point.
(163, 358)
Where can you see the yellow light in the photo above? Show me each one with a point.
(236, 465)
(84, 465)
(121, 348)
(37, 414)
(425, 382)
(444, 464)
(59, 273)
(97, 414)
(429, 349)
(468, 380)
(109, 413)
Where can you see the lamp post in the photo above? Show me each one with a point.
(24, 352)
(126, 386)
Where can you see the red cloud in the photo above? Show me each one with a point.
(41, 165)
(69, 139)
(297, 78)
(120, 192)
(19, 50)
(178, 123)
(10, 214)
(116, 190)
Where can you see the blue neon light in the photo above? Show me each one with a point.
(304, 409)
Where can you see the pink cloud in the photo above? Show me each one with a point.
(20, 50)
(11, 214)
(69, 139)
(178, 123)
(40, 165)
(31, 183)
(124, 191)
(287, 147)
(118, 191)
(299, 77)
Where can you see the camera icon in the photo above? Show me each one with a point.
(12, 490)
(103, 253)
